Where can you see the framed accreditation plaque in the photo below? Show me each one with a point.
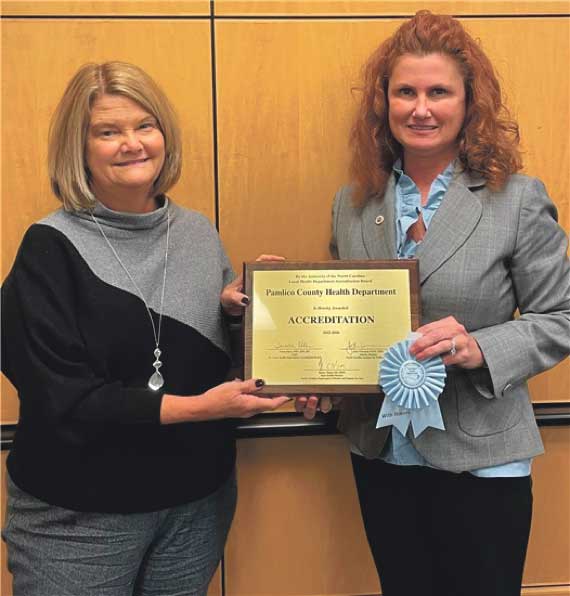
(321, 328)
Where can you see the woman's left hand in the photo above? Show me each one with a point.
(232, 298)
(448, 338)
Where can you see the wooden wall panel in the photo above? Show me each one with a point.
(387, 7)
(547, 591)
(36, 66)
(537, 92)
(548, 558)
(298, 529)
(291, 85)
(552, 385)
(278, 170)
(105, 7)
(285, 108)
(9, 405)
(215, 588)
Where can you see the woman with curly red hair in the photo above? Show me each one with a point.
(435, 156)
(487, 143)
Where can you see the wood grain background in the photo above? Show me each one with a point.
(265, 92)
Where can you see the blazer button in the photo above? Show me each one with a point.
(379, 220)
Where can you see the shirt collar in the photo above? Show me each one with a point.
(444, 176)
(408, 204)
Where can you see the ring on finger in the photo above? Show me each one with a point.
(453, 349)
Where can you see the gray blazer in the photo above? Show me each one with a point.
(485, 255)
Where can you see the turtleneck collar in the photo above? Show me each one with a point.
(128, 221)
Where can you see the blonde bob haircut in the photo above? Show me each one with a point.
(67, 166)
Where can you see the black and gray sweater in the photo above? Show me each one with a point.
(77, 343)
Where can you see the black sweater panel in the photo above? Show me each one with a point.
(80, 352)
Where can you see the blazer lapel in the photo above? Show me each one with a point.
(378, 227)
(453, 222)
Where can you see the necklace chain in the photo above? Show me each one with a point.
(156, 380)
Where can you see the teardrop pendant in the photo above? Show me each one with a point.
(156, 381)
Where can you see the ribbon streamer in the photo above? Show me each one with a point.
(412, 389)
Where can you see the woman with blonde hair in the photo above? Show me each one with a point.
(121, 477)
(434, 170)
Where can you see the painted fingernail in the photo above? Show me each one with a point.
(245, 300)
(259, 382)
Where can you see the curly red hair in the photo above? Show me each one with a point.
(488, 140)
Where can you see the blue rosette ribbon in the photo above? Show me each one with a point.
(412, 389)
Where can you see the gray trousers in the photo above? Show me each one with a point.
(54, 551)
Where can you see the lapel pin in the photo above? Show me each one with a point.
(379, 220)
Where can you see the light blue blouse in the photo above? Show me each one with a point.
(399, 449)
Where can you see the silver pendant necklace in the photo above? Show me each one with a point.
(156, 380)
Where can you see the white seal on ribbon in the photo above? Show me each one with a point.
(412, 389)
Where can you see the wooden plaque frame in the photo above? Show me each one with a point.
(411, 265)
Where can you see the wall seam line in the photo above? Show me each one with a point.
(276, 17)
(214, 116)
